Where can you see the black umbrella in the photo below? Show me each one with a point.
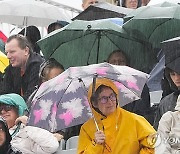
(171, 49)
(102, 10)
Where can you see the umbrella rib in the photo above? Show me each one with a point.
(158, 26)
(91, 49)
(64, 93)
(71, 40)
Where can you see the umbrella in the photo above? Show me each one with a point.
(155, 23)
(62, 102)
(4, 62)
(89, 42)
(171, 49)
(102, 10)
(29, 12)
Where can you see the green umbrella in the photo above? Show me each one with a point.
(89, 42)
(157, 23)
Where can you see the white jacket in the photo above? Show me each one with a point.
(169, 134)
(34, 140)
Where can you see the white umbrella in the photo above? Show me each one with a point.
(30, 12)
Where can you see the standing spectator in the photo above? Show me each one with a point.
(22, 75)
(32, 35)
(5, 139)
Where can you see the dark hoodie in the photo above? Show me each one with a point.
(6, 148)
(171, 48)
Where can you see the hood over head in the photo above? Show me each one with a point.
(15, 100)
(99, 82)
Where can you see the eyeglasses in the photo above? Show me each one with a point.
(104, 99)
(6, 107)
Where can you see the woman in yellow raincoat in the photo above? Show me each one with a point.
(113, 130)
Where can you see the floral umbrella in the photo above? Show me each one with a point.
(62, 102)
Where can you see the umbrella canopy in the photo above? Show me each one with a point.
(156, 23)
(89, 42)
(171, 50)
(4, 62)
(102, 10)
(62, 102)
(29, 12)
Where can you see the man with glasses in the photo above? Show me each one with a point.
(21, 76)
(112, 129)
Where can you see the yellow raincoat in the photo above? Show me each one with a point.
(126, 133)
(4, 62)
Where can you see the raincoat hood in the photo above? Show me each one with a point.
(99, 82)
(16, 100)
(4, 147)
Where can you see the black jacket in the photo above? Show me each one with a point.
(168, 103)
(13, 82)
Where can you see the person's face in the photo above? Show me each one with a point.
(87, 3)
(107, 101)
(117, 59)
(15, 54)
(175, 78)
(133, 4)
(9, 113)
(54, 72)
(2, 135)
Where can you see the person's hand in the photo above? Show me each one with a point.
(58, 136)
(22, 119)
(99, 137)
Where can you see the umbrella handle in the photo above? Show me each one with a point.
(96, 123)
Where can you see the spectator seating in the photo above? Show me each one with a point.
(69, 151)
(155, 97)
(72, 142)
(70, 147)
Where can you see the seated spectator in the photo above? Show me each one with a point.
(142, 106)
(48, 70)
(28, 139)
(112, 129)
(32, 35)
(168, 103)
(21, 76)
(5, 139)
(169, 132)
(56, 25)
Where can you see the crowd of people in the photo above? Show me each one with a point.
(131, 129)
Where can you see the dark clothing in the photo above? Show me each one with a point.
(141, 106)
(6, 148)
(12, 150)
(168, 103)
(13, 82)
